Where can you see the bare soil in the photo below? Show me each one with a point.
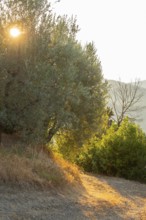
(97, 198)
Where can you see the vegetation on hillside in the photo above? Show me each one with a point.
(121, 152)
(52, 91)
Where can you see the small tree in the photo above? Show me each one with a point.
(125, 100)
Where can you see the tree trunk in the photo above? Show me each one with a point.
(0, 137)
(52, 131)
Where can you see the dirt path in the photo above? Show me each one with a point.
(102, 198)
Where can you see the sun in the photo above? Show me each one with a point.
(15, 32)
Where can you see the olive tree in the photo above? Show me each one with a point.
(48, 81)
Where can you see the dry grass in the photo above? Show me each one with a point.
(108, 196)
(143, 214)
(71, 170)
(30, 167)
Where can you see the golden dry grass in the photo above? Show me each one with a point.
(31, 167)
(106, 198)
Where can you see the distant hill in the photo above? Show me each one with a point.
(142, 119)
(143, 84)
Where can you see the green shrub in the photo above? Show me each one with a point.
(121, 152)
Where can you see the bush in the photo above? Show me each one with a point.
(121, 152)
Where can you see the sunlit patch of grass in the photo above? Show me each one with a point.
(104, 197)
(71, 170)
(103, 193)
(143, 215)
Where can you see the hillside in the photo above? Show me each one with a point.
(143, 84)
(95, 198)
(40, 186)
(141, 119)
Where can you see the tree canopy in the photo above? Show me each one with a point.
(48, 81)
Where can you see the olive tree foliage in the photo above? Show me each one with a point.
(126, 100)
(48, 81)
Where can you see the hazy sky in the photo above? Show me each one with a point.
(118, 29)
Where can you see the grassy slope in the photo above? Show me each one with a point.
(97, 195)
(31, 167)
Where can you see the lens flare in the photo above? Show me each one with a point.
(15, 32)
